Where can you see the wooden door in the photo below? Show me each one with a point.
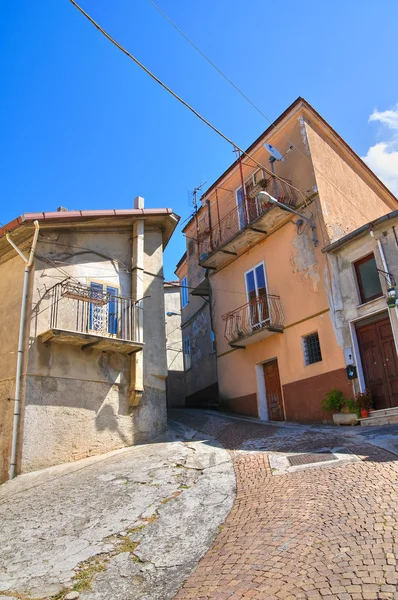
(379, 362)
(273, 391)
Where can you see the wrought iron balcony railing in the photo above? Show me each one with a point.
(94, 309)
(262, 313)
(242, 216)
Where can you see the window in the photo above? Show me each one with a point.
(187, 353)
(103, 315)
(257, 295)
(249, 209)
(184, 292)
(368, 278)
(312, 349)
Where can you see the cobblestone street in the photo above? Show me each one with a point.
(321, 533)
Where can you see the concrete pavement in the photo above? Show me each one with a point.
(129, 525)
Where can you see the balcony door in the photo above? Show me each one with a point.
(256, 289)
(240, 202)
(103, 316)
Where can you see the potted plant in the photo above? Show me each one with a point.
(343, 408)
(364, 402)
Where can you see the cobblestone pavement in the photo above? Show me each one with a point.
(326, 532)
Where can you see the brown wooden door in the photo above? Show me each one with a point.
(379, 362)
(273, 391)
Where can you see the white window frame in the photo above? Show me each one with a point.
(260, 264)
(187, 353)
(253, 269)
(184, 292)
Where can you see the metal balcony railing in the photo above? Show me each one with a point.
(242, 216)
(83, 309)
(262, 313)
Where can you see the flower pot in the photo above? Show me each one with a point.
(345, 418)
(364, 413)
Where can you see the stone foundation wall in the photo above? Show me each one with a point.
(7, 391)
(69, 419)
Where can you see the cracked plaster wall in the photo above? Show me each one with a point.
(77, 402)
(334, 171)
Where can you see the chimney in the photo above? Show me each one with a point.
(138, 202)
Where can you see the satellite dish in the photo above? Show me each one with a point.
(273, 151)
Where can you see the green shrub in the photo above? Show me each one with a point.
(334, 401)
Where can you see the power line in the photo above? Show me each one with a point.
(197, 114)
(251, 103)
(177, 97)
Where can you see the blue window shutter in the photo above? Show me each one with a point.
(112, 310)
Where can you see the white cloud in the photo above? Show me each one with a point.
(382, 158)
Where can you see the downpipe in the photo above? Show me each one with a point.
(18, 376)
(385, 267)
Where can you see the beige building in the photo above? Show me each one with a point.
(257, 243)
(88, 373)
(200, 363)
(175, 384)
(364, 267)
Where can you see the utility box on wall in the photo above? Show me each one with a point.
(351, 372)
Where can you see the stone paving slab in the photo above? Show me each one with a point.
(324, 533)
(128, 526)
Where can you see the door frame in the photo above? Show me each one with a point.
(262, 404)
(355, 344)
(244, 206)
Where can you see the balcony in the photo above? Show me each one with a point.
(90, 317)
(254, 321)
(245, 225)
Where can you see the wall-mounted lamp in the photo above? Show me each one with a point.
(391, 297)
(310, 221)
(173, 314)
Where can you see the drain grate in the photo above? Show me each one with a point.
(311, 457)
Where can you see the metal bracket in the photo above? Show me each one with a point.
(389, 277)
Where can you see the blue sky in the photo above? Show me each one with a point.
(83, 127)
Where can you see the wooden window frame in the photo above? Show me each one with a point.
(357, 264)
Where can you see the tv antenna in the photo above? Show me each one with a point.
(195, 194)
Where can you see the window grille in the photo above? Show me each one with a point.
(312, 349)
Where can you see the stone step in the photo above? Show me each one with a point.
(376, 420)
(384, 412)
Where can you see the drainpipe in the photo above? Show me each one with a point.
(385, 267)
(18, 376)
(137, 287)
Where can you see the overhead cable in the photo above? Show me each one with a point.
(272, 124)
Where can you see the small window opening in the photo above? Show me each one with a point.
(312, 349)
